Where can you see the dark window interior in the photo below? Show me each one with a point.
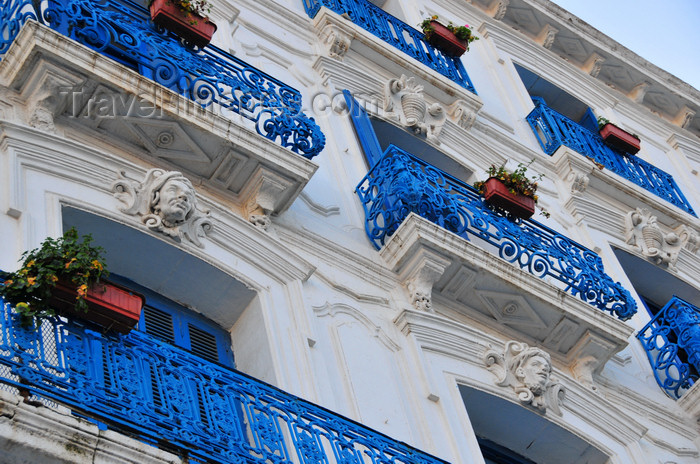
(557, 98)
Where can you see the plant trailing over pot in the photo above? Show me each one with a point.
(452, 40)
(65, 275)
(618, 138)
(186, 18)
(513, 192)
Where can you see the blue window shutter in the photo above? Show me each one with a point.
(589, 121)
(363, 129)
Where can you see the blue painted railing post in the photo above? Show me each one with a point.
(400, 184)
(672, 342)
(553, 129)
(213, 78)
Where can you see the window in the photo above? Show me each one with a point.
(172, 323)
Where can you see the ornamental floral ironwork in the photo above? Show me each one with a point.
(140, 385)
(401, 183)
(122, 30)
(396, 33)
(553, 130)
(672, 342)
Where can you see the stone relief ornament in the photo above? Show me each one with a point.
(166, 203)
(662, 247)
(404, 102)
(528, 371)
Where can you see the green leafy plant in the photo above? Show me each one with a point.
(517, 182)
(461, 32)
(67, 259)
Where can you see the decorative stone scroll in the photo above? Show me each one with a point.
(166, 203)
(662, 247)
(404, 103)
(527, 370)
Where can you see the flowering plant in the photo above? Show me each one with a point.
(517, 182)
(77, 263)
(461, 32)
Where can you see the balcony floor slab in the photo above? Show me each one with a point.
(507, 300)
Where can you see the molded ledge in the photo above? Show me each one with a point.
(505, 299)
(219, 150)
(342, 35)
(37, 434)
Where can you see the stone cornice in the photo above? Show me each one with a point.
(98, 170)
(467, 344)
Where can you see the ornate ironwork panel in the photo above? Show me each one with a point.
(214, 79)
(170, 397)
(396, 33)
(401, 183)
(672, 342)
(553, 129)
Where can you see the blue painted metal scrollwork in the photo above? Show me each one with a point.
(214, 79)
(396, 33)
(553, 130)
(172, 398)
(672, 342)
(401, 183)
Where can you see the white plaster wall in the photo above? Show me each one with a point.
(331, 336)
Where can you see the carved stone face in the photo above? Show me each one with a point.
(175, 201)
(535, 373)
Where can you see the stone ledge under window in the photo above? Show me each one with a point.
(71, 90)
(35, 433)
(439, 266)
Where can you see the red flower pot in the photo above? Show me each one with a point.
(619, 139)
(445, 40)
(109, 305)
(498, 195)
(193, 28)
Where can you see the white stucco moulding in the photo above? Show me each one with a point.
(240, 150)
(571, 329)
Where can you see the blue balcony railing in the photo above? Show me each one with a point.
(553, 130)
(672, 342)
(401, 183)
(396, 33)
(122, 30)
(164, 395)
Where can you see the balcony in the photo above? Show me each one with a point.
(553, 130)
(104, 70)
(672, 342)
(396, 33)
(168, 397)
(437, 233)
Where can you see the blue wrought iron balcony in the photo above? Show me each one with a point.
(397, 34)
(672, 342)
(401, 183)
(553, 130)
(123, 31)
(167, 396)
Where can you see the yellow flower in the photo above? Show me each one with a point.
(96, 264)
(82, 291)
(8, 282)
(53, 278)
(30, 263)
(69, 263)
(31, 280)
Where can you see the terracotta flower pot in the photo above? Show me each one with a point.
(445, 40)
(498, 195)
(193, 28)
(619, 139)
(109, 305)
